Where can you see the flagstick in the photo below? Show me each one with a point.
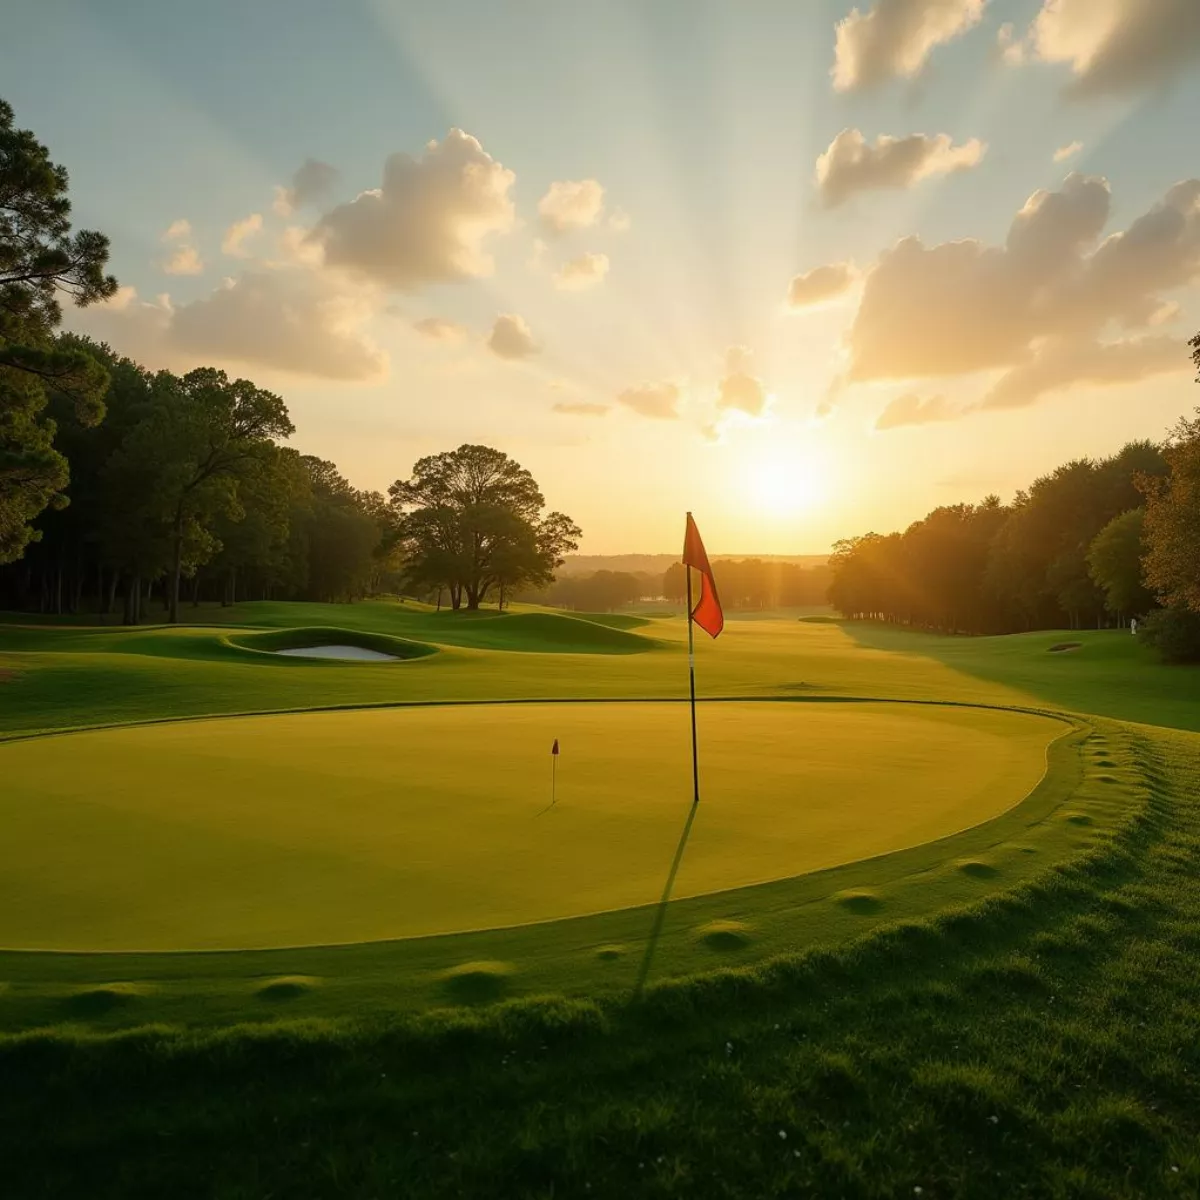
(553, 779)
(692, 689)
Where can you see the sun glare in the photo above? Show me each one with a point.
(787, 488)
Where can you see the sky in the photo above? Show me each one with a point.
(804, 268)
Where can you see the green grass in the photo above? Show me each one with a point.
(363, 826)
(1007, 1010)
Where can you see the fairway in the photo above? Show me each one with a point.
(324, 828)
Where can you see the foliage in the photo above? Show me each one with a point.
(1172, 530)
(991, 568)
(1115, 564)
(470, 521)
(40, 261)
(1174, 633)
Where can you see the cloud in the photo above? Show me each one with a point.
(570, 204)
(910, 409)
(1068, 151)
(428, 222)
(1012, 51)
(739, 390)
(659, 400)
(819, 285)
(1118, 46)
(439, 329)
(511, 338)
(292, 321)
(852, 164)
(185, 260)
(1066, 364)
(583, 272)
(894, 38)
(579, 408)
(620, 221)
(312, 181)
(238, 232)
(1043, 306)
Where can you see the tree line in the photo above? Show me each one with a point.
(1093, 543)
(117, 483)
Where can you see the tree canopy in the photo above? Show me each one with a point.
(470, 521)
(40, 261)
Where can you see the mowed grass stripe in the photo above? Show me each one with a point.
(338, 827)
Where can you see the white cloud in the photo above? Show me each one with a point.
(571, 204)
(660, 400)
(586, 271)
(439, 329)
(739, 389)
(820, 285)
(911, 409)
(511, 338)
(428, 222)
(295, 322)
(1118, 46)
(852, 164)
(232, 243)
(894, 38)
(620, 221)
(1042, 307)
(1068, 151)
(1011, 50)
(312, 181)
(184, 260)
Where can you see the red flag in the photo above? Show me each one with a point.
(554, 748)
(707, 612)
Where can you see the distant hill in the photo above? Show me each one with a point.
(656, 564)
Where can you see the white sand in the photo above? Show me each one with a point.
(356, 652)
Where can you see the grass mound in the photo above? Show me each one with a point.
(610, 953)
(273, 640)
(286, 987)
(860, 902)
(541, 633)
(92, 1002)
(725, 935)
(978, 870)
(477, 982)
(1062, 647)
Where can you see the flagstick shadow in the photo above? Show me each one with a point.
(661, 915)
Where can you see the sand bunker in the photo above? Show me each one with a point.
(356, 652)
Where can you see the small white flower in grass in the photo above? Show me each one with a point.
(994, 1120)
(783, 1135)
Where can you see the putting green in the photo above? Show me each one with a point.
(352, 826)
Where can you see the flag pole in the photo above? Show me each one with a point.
(692, 686)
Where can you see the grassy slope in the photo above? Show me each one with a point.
(1040, 1043)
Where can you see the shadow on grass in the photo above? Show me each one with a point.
(660, 914)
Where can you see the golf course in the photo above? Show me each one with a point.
(930, 879)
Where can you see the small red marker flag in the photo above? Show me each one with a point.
(554, 748)
(707, 613)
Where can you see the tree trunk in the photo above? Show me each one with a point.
(176, 572)
(196, 590)
(133, 600)
(111, 597)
